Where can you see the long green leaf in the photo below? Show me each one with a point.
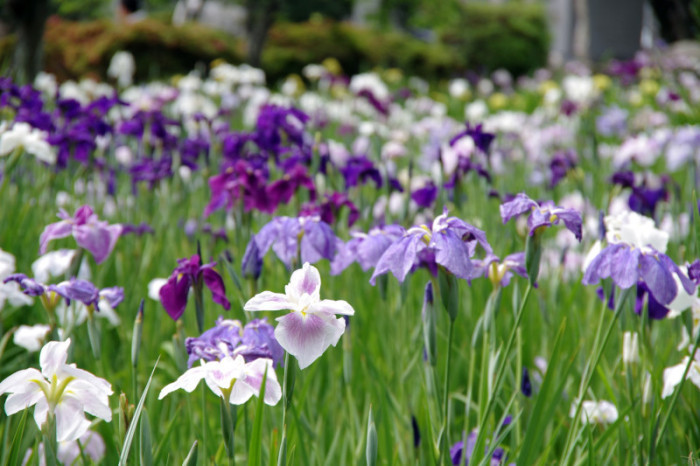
(16, 446)
(255, 450)
(191, 459)
(135, 420)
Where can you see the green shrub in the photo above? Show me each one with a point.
(481, 37)
(76, 49)
(291, 46)
(513, 36)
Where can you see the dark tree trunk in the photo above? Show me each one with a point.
(29, 18)
(675, 19)
(261, 16)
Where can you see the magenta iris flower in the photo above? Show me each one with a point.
(544, 214)
(189, 273)
(96, 236)
(449, 242)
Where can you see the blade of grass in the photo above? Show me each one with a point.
(124, 456)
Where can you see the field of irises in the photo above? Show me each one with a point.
(346, 270)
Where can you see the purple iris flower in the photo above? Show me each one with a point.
(360, 170)
(613, 122)
(461, 453)
(365, 248)
(138, 230)
(646, 193)
(252, 262)
(229, 338)
(481, 138)
(627, 266)
(501, 271)
(96, 236)
(245, 181)
(276, 125)
(544, 214)
(560, 165)
(449, 243)
(29, 286)
(215, 343)
(77, 290)
(188, 273)
(330, 207)
(258, 341)
(525, 383)
(655, 310)
(290, 237)
(694, 271)
(282, 190)
(426, 195)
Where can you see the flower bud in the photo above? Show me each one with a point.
(630, 348)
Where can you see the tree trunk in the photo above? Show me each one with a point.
(261, 16)
(675, 19)
(29, 17)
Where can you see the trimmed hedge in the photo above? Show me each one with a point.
(481, 37)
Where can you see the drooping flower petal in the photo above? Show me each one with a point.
(307, 337)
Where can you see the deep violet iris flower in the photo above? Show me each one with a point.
(188, 273)
(544, 214)
(96, 236)
(481, 138)
(449, 242)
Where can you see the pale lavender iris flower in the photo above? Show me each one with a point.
(312, 326)
(96, 236)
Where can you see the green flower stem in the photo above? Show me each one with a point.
(481, 437)
(598, 347)
(444, 438)
(655, 441)
(287, 391)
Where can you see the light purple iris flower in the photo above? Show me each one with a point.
(501, 271)
(77, 290)
(290, 236)
(188, 273)
(230, 338)
(544, 214)
(311, 327)
(365, 248)
(29, 286)
(96, 236)
(627, 265)
(449, 243)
